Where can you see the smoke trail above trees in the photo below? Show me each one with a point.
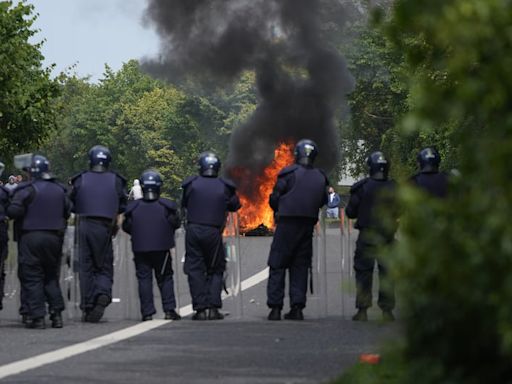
(301, 80)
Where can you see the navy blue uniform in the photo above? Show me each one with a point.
(40, 208)
(372, 204)
(207, 201)
(298, 194)
(151, 224)
(98, 198)
(434, 183)
(4, 239)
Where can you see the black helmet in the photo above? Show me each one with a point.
(209, 164)
(305, 152)
(428, 159)
(40, 167)
(99, 158)
(378, 165)
(150, 182)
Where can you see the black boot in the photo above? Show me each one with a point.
(361, 315)
(99, 309)
(147, 318)
(172, 315)
(56, 319)
(25, 319)
(214, 314)
(37, 323)
(275, 314)
(294, 314)
(199, 315)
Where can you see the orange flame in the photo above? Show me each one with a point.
(255, 208)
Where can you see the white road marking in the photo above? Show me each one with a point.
(102, 341)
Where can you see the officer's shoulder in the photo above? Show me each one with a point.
(132, 204)
(123, 179)
(358, 185)
(168, 203)
(59, 184)
(228, 182)
(22, 185)
(188, 180)
(76, 176)
(287, 170)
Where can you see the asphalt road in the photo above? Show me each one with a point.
(243, 348)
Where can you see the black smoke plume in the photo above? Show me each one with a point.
(301, 80)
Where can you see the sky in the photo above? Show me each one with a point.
(90, 33)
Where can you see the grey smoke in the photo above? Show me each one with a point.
(302, 81)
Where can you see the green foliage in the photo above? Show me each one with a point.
(455, 257)
(27, 108)
(145, 123)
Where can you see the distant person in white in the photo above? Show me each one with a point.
(11, 185)
(136, 191)
(333, 203)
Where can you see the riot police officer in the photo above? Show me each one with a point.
(99, 195)
(429, 179)
(151, 221)
(300, 191)
(4, 239)
(372, 203)
(41, 208)
(207, 198)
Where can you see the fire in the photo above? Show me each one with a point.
(255, 208)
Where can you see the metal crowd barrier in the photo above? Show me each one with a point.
(333, 280)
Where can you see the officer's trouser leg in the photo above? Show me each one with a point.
(299, 272)
(52, 289)
(275, 287)
(144, 273)
(364, 263)
(215, 282)
(86, 264)
(165, 281)
(386, 299)
(195, 269)
(97, 261)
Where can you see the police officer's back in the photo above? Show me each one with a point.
(41, 208)
(207, 199)
(151, 221)
(99, 195)
(300, 191)
(372, 203)
(429, 179)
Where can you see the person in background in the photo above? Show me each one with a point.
(136, 191)
(98, 196)
(372, 203)
(299, 193)
(41, 208)
(333, 202)
(207, 198)
(151, 222)
(11, 184)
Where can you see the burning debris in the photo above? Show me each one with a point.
(302, 82)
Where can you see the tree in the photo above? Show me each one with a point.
(455, 256)
(27, 94)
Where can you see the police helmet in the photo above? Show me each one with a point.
(150, 182)
(99, 158)
(40, 167)
(305, 152)
(428, 159)
(209, 164)
(378, 166)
